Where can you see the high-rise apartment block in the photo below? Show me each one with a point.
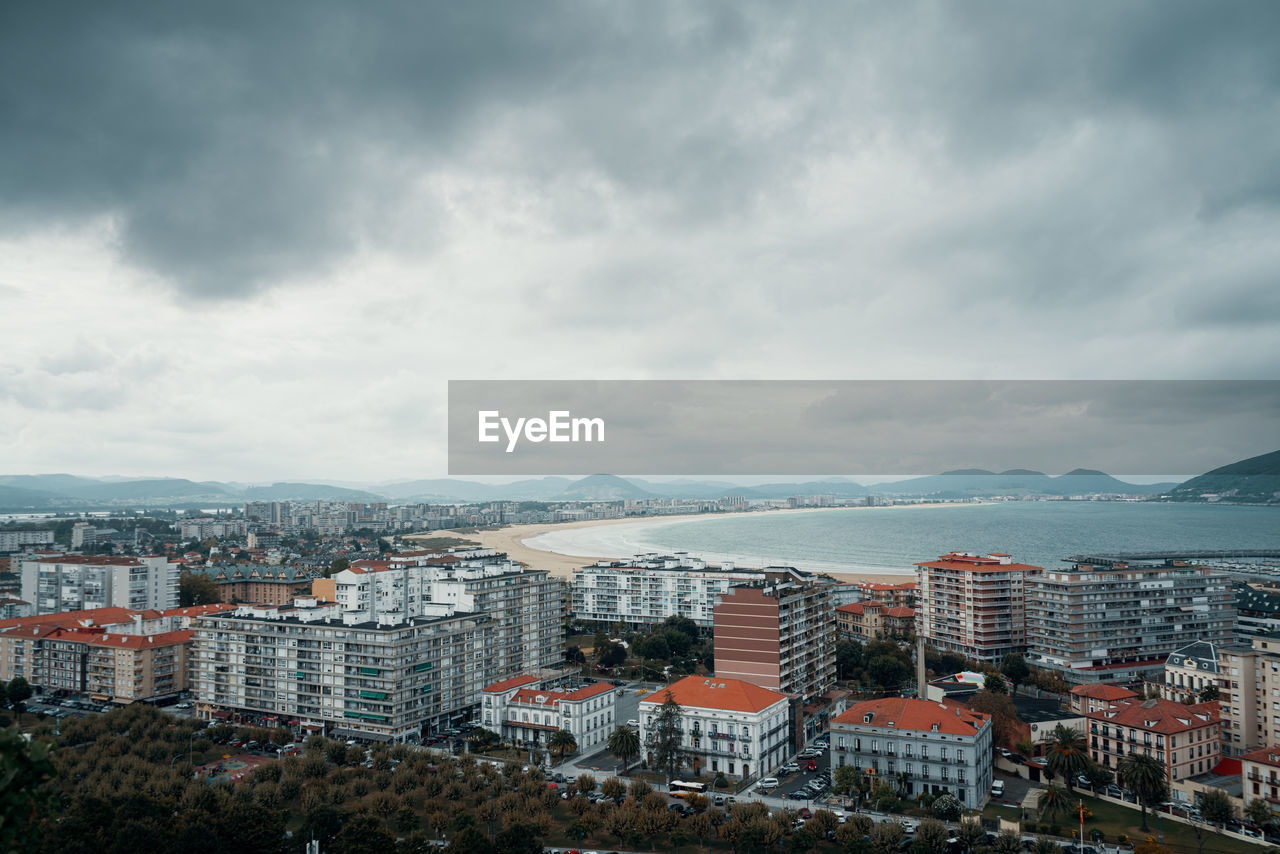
(1119, 623)
(973, 604)
(778, 634)
(54, 583)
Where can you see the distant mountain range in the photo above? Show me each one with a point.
(71, 492)
(1252, 481)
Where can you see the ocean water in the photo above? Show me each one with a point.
(893, 539)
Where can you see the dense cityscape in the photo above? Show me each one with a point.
(978, 703)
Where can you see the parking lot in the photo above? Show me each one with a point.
(791, 783)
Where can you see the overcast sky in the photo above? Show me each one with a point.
(253, 241)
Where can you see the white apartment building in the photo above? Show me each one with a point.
(56, 583)
(650, 588)
(1189, 670)
(523, 712)
(203, 527)
(940, 747)
(384, 679)
(525, 605)
(12, 541)
(727, 726)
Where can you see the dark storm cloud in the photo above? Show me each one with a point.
(242, 144)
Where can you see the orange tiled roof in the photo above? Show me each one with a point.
(89, 616)
(901, 611)
(712, 692)
(905, 713)
(1265, 756)
(1159, 715)
(969, 563)
(855, 608)
(508, 684)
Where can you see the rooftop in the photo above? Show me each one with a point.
(905, 713)
(702, 692)
(1159, 715)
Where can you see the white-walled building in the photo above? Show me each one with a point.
(941, 747)
(526, 605)
(651, 588)
(727, 725)
(57, 583)
(524, 712)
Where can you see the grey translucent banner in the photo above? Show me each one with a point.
(814, 427)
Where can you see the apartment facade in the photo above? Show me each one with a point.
(940, 747)
(12, 541)
(974, 604)
(1187, 739)
(526, 606)
(1248, 679)
(113, 654)
(1097, 698)
(727, 726)
(650, 588)
(1260, 774)
(260, 584)
(523, 711)
(382, 679)
(56, 583)
(777, 634)
(1119, 623)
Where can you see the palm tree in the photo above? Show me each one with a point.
(1144, 776)
(1053, 800)
(904, 781)
(1067, 755)
(624, 743)
(562, 741)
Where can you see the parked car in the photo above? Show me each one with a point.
(805, 813)
(812, 766)
(633, 723)
(790, 768)
(768, 783)
(910, 825)
(799, 796)
(997, 789)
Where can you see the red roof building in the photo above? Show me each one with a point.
(974, 604)
(1187, 739)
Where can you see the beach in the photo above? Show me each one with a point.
(513, 540)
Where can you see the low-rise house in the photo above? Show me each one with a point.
(918, 746)
(525, 712)
(727, 726)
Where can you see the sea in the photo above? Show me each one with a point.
(891, 540)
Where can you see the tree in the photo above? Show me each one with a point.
(846, 779)
(1215, 806)
(848, 658)
(18, 692)
(196, 588)
(614, 655)
(971, 834)
(624, 743)
(362, 834)
(948, 808)
(337, 565)
(887, 672)
(1098, 776)
(994, 683)
(1053, 800)
(1008, 842)
(26, 769)
(1067, 754)
(932, 837)
(1259, 812)
(1004, 716)
(1209, 694)
(1144, 776)
(1015, 669)
(519, 838)
(664, 740)
(562, 741)
(885, 838)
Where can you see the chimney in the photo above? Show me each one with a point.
(921, 684)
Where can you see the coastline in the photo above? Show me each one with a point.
(514, 539)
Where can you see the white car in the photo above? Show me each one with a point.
(633, 723)
(790, 768)
(997, 789)
(910, 825)
(768, 783)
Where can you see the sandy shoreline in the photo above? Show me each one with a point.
(510, 539)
